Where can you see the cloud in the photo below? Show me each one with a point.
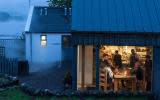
(5, 17)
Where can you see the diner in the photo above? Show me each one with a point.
(129, 65)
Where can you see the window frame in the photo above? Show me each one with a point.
(43, 40)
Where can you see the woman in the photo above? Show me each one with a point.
(109, 72)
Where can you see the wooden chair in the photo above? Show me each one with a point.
(103, 80)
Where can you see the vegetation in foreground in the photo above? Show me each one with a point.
(15, 93)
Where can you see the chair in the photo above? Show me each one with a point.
(103, 79)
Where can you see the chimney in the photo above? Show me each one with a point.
(45, 11)
(65, 11)
(70, 11)
(41, 11)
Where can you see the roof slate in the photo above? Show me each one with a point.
(52, 21)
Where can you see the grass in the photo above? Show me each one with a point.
(16, 94)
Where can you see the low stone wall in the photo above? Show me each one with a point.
(11, 81)
(90, 93)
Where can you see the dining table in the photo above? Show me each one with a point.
(119, 78)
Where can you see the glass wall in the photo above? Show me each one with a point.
(125, 67)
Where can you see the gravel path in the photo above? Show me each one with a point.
(50, 78)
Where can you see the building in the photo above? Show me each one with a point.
(43, 32)
(113, 24)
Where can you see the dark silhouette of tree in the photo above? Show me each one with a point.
(60, 3)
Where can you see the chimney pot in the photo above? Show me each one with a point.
(45, 11)
(70, 11)
(65, 11)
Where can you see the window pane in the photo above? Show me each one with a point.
(43, 43)
(43, 37)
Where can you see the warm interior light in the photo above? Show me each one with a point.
(43, 37)
(126, 49)
(43, 40)
(43, 43)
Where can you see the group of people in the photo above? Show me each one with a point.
(112, 66)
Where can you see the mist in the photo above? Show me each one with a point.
(13, 15)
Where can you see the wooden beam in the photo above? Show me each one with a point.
(97, 66)
(74, 68)
(83, 67)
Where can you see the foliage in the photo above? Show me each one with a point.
(60, 3)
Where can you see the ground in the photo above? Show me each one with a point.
(49, 78)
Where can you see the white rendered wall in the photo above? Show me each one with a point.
(41, 57)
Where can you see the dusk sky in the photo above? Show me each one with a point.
(13, 15)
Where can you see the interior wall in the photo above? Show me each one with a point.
(88, 65)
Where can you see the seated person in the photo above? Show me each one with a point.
(109, 73)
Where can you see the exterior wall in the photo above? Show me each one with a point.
(67, 49)
(41, 57)
(156, 70)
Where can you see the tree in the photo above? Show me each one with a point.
(60, 3)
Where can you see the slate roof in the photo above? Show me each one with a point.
(142, 16)
(52, 21)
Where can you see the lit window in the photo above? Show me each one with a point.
(43, 40)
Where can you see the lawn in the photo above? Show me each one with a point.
(16, 94)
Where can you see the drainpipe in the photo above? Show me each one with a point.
(31, 46)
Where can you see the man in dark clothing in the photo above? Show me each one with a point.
(117, 60)
(148, 71)
(68, 80)
(133, 58)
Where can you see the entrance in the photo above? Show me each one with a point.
(86, 69)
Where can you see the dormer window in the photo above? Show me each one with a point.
(43, 40)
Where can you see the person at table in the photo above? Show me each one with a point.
(133, 58)
(148, 70)
(109, 72)
(117, 60)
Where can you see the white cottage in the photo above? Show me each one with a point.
(44, 29)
